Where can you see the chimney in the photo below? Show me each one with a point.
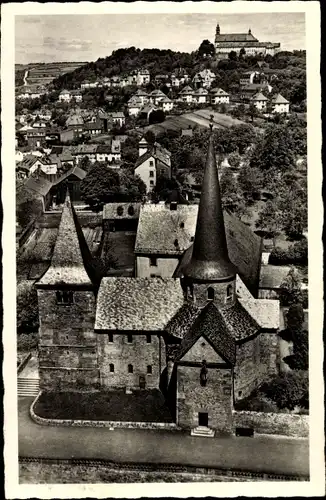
(143, 146)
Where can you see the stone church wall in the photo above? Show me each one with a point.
(214, 398)
(140, 354)
(67, 342)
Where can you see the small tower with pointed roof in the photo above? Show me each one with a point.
(142, 146)
(67, 302)
(210, 275)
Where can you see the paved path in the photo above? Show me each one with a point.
(263, 453)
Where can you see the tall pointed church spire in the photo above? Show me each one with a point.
(71, 259)
(210, 260)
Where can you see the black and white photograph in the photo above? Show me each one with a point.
(162, 320)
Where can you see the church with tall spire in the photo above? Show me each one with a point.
(198, 337)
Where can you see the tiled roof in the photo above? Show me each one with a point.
(158, 152)
(84, 149)
(279, 99)
(159, 227)
(94, 125)
(117, 114)
(259, 97)
(141, 304)
(272, 277)
(110, 211)
(68, 264)
(74, 120)
(265, 312)
(187, 90)
(218, 92)
(210, 324)
(201, 91)
(40, 186)
(179, 325)
(77, 171)
(235, 37)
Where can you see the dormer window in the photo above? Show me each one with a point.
(64, 297)
(210, 293)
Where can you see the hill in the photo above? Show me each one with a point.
(43, 73)
(287, 68)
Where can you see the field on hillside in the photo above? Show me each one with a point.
(200, 118)
(42, 74)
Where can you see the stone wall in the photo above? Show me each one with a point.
(165, 266)
(224, 293)
(272, 423)
(214, 398)
(257, 359)
(139, 353)
(67, 342)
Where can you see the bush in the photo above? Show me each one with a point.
(296, 254)
(27, 342)
(256, 402)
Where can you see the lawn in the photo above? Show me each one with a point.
(140, 406)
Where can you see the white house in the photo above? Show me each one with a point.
(109, 152)
(143, 77)
(167, 104)
(134, 106)
(156, 96)
(65, 96)
(186, 94)
(142, 96)
(200, 96)
(219, 96)
(280, 104)
(204, 78)
(260, 101)
(154, 161)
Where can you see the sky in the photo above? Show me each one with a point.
(48, 38)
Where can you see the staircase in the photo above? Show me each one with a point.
(28, 387)
(202, 432)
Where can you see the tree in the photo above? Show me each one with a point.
(270, 219)
(85, 164)
(104, 185)
(206, 48)
(242, 53)
(156, 116)
(253, 111)
(229, 190)
(275, 151)
(291, 289)
(27, 211)
(250, 180)
(233, 55)
(27, 308)
(288, 390)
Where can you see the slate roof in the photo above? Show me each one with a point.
(74, 120)
(266, 312)
(279, 99)
(156, 151)
(71, 255)
(94, 125)
(110, 211)
(140, 304)
(240, 323)
(210, 324)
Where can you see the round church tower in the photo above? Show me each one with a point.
(210, 275)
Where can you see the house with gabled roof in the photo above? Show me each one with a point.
(260, 101)
(280, 104)
(154, 161)
(219, 96)
(198, 341)
(186, 94)
(200, 96)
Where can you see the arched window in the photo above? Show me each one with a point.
(120, 210)
(149, 369)
(111, 367)
(229, 293)
(130, 369)
(131, 210)
(210, 293)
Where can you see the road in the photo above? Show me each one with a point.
(262, 453)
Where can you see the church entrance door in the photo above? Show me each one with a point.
(142, 382)
(203, 419)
